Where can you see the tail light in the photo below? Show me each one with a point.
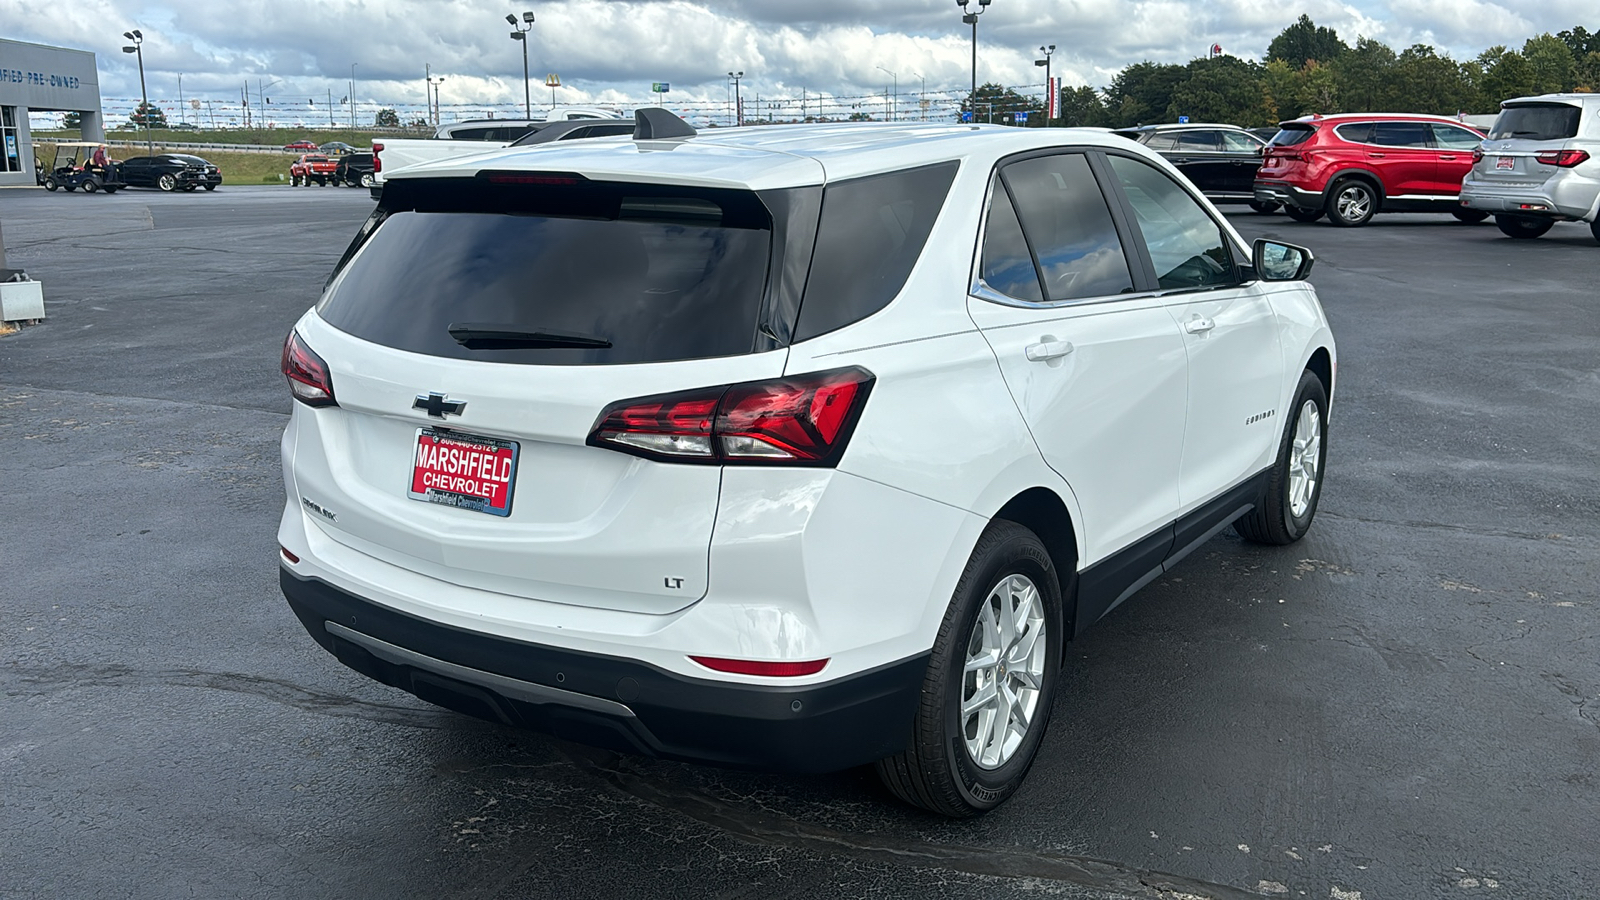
(1477, 154)
(804, 420)
(1564, 159)
(759, 667)
(308, 376)
(377, 161)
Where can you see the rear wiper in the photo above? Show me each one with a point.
(489, 336)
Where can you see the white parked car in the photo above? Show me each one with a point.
(790, 448)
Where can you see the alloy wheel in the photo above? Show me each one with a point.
(1354, 203)
(1004, 671)
(1304, 458)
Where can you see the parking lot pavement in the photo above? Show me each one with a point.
(1405, 704)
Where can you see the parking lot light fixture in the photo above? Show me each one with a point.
(1049, 101)
(738, 108)
(970, 16)
(137, 49)
(520, 35)
(894, 112)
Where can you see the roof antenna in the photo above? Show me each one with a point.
(654, 124)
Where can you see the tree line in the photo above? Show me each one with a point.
(1310, 69)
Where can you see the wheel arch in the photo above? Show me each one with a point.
(1043, 512)
(1321, 365)
(1366, 175)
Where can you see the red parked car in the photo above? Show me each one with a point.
(302, 144)
(1353, 165)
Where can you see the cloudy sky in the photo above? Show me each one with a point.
(610, 50)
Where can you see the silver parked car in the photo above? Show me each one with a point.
(1540, 165)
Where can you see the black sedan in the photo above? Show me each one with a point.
(170, 172)
(1221, 160)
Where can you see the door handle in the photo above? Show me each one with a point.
(1199, 325)
(1376, 155)
(1044, 351)
(1447, 159)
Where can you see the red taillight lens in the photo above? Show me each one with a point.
(377, 161)
(1477, 154)
(287, 555)
(756, 667)
(805, 420)
(1565, 159)
(308, 376)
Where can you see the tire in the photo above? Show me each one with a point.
(50, 184)
(190, 188)
(167, 183)
(1290, 503)
(1265, 208)
(1594, 229)
(112, 190)
(366, 180)
(1470, 216)
(69, 186)
(1524, 228)
(90, 186)
(1009, 570)
(211, 187)
(1301, 214)
(1351, 203)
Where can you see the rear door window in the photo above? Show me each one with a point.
(1199, 141)
(1536, 122)
(1162, 142)
(1186, 245)
(1449, 137)
(1068, 225)
(871, 233)
(1355, 132)
(610, 273)
(1401, 134)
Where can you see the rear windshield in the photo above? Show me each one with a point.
(658, 273)
(1289, 135)
(1536, 122)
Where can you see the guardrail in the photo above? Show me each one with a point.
(177, 145)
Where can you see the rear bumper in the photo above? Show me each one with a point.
(1288, 194)
(1567, 198)
(613, 702)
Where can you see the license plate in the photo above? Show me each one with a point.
(1505, 162)
(464, 470)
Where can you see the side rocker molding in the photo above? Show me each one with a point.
(1104, 585)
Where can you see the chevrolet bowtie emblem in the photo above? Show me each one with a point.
(435, 405)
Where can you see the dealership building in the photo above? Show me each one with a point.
(39, 78)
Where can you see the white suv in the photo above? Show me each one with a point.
(790, 448)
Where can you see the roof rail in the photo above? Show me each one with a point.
(654, 124)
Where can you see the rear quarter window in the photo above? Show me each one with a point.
(1290, 135)
(870, 235)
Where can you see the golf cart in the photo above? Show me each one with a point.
(73, 170)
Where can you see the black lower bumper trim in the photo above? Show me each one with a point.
(588, 698)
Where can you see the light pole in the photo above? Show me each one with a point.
(435, 81)
(137, 49)
(1049, 86)
(352, 96)
(895, 114)
(970, 16)
(738, 108)
(520, 35)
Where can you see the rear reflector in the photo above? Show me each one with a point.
(287, 555)
(803, 420)
(308, 376)
(756, 667)
(1565, 159)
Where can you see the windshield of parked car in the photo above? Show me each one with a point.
(1536, 122)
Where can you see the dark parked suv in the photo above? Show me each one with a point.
(1352, 166)
(1221, 160)
(355, 169)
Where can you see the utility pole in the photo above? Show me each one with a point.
(895, 114)
(180, 100)
(352, 96)
(738, 107)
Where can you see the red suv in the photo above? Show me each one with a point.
(1352, 165)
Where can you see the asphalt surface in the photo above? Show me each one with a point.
(1405, 704)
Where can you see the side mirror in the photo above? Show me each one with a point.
(1277, 261)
